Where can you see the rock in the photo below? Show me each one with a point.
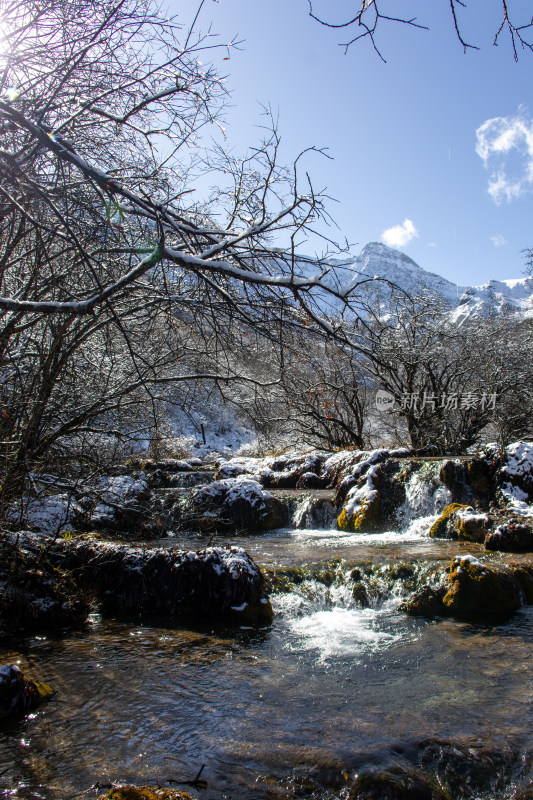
(466, 768)
(362, 517)
(452, 474)
(144, 793)
(313, 512)
(479, 592)
(517, 471)
(216, 583)
(480, 475)
(234, 504)
(35, 594)
(360, 595)
(459, 521)
(361, 505)
(426, 602)
(18, 694)
(164, 464)
(310, 480)
(395, 783)
(511, 538)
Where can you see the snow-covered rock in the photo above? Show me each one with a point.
(216, 583)
(515, 478)
(45, 515)
(237, 504)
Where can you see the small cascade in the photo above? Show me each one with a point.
(304, 589)
(340, 611)
(188, 480)
(425, 498)
(312, 512)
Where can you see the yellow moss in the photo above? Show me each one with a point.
(144, 793)
(43, 691)
(365, 517)
(440, 527)
(480, 591)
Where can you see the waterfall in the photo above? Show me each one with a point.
(425, 498)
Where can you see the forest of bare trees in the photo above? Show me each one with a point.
(125, 278)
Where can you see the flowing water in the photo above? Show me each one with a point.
(330, 686)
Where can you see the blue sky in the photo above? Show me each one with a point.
(402, 134)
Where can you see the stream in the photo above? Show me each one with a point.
(328, 688)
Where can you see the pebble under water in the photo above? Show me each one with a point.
(328, 688)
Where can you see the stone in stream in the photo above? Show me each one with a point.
(233, 504)
(511, 538)
(18, 694)
(434, 769)
(34, 594)
(218, 583)
(476, 592)
(395, 783)
(459, 521)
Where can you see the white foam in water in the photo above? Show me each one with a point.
(416, 531)
(340, 632)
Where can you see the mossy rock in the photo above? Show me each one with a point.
(426, 602)
(451, 474)
(144, 793)
(443, 526)
(365, 519)
(284, 579)
(471, 527)
(18, 694)
(36, 595)
(360, 595)
(523, 573)
(479, 592)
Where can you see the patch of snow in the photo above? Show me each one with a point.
(44, 515)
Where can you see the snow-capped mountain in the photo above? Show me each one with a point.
(376, 260)
(496, 297)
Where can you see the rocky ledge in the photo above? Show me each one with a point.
(54, 584)
(217, 583)
(475, 592)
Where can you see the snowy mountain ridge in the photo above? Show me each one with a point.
(377, 260)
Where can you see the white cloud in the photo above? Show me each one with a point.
(399, 235)
(500, 142)
(498, 240)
